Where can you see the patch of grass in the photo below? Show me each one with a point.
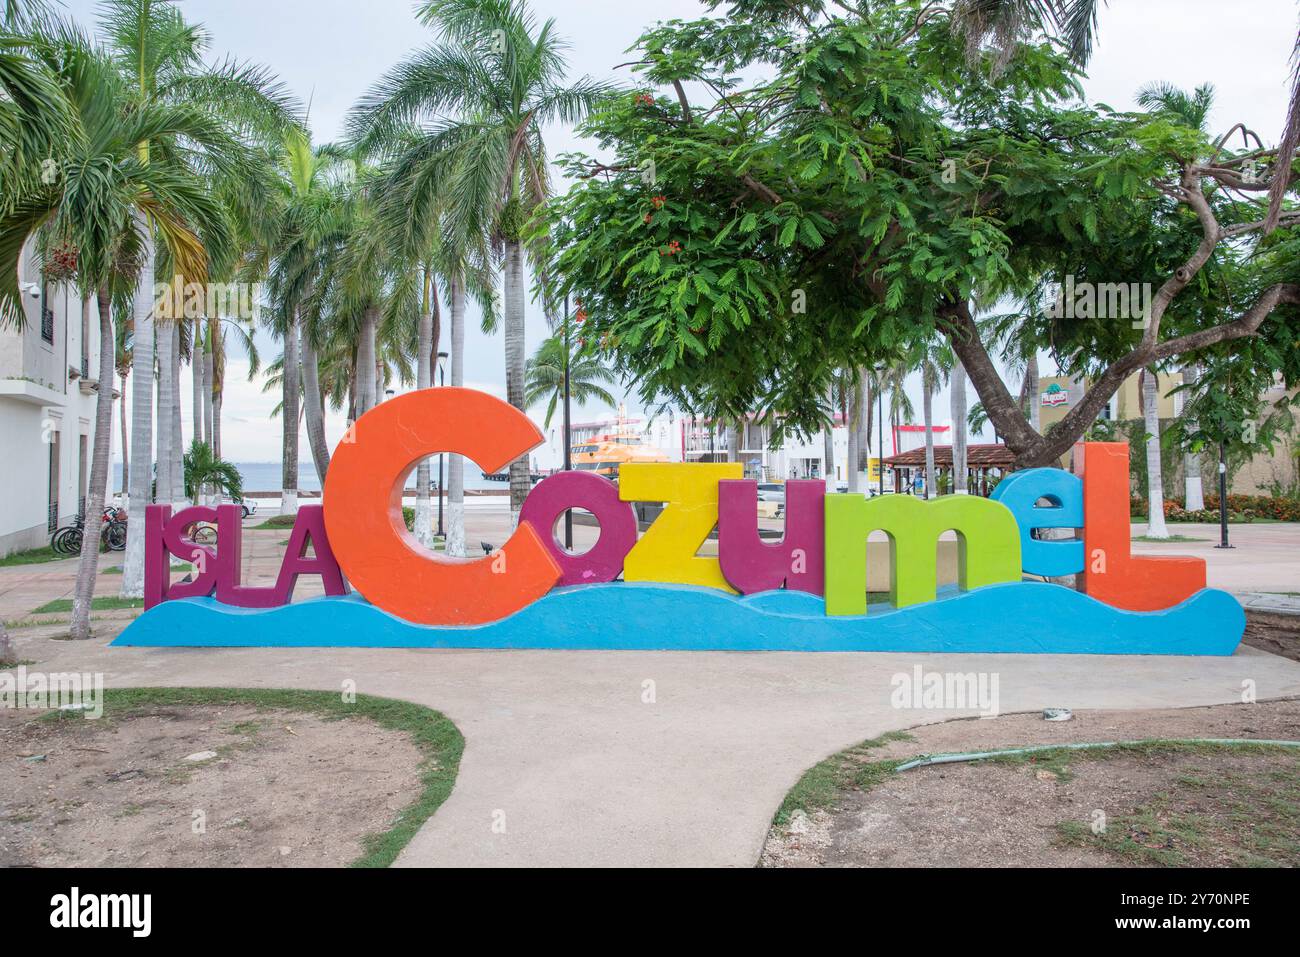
(1257, 828)
(105, 603)
(438, 740)
(278, 521)
(1171, 538)
(115, 570)
(20, 663)
(33, 556)
(823, 783)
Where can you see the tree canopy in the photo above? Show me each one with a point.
(873, 185)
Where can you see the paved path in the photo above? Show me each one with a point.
(562, 748)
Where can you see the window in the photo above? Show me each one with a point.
(47, 316)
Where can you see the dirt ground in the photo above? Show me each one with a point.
(198, 786)
(1176, 808)
(1277, 634)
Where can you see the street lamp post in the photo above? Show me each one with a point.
(1223, 498)
(442, 380)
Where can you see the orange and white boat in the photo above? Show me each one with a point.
(606, 454)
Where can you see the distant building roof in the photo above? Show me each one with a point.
(991, 455)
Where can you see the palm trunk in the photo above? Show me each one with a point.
(313, 407)
(216, 425)
(165, 332)
(366, 384)
(197, 428)
(927, 412)
(1193, 492)
(142, 363)
(828, 444)
(212, 378)
(455, 517)
(957, 404)
(126, 458)
(1155, 479)
(88, 563)
(290, 383)
(178, 443)
(513, 309)
(855, 433)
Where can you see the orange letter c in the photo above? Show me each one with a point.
(363, 510)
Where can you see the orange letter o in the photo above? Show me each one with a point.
(363, 510)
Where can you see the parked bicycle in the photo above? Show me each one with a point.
(112, 534)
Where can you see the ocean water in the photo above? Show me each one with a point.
(265, 476)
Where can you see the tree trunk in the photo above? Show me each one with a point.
(1155, 479)
(927, 410)
(455, 518)
(198, 430)
(957, 402)
(1193, 492)
(313, 407)
(178, 443)
(290, 382)
(513, 319)
(142, 363)
(126, 458)
(828, 445)
(424, 380)
(212, 371)
(216, 425)
(366, 385)
(165, 332)
(852, 425)
(88, 563)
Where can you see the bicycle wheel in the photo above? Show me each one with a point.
(60, 540)
(115, 536)
(205, 535)
(71, 541)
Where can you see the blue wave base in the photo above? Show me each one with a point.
(1011, 618)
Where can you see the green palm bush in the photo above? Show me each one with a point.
(202, 469)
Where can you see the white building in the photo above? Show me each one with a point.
(49, 377)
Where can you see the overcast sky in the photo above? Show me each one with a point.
(330, 52)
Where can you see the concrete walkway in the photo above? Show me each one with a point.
(584, 763)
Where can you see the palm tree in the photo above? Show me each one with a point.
(545, 378)
(205, 470)
(99, 203)
(160, 58)
(957, 410)
(503, 76)
(934, 363)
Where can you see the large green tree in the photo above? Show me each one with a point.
(735, 251)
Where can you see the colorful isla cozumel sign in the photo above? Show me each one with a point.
(806, 592)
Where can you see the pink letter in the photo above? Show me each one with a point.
(751, 565)
(565, 490)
